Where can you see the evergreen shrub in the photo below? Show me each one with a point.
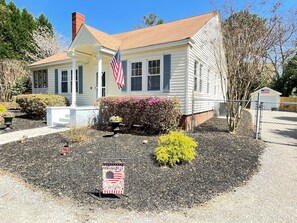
(175, 148)
(34, 105)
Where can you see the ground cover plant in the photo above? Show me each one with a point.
(223, 161)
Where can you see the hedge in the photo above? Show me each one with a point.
(34, 105)
(153, 114)
(288, 107)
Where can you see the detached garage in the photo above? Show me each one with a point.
(270, 97)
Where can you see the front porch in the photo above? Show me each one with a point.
(73, 117)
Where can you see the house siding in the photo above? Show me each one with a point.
(205, 51)
(177, 79)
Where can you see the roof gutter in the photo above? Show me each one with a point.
(158, 46)
(49, 63)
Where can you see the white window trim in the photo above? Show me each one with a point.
(69, 81)
(161, 74)
(196, 63)
(208, 82)
(144, 61)
(200, 78)
(142, 74)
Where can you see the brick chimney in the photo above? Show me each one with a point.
(77, 20)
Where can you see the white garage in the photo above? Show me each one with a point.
(268, 96)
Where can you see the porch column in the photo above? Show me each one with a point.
(73, 104)
(99, 75)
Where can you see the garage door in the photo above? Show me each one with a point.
(269, 102)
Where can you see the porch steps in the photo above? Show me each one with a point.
(63, 122)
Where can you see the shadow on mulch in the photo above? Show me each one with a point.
(223, 161)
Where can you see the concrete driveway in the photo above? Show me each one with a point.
(270, 196)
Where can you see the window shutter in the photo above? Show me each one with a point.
(80, 79)
(56, 81)
(166, 72)
(124, 64)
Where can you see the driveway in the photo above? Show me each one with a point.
(270, 196)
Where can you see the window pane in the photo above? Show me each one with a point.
(153, 83)
(154, 67)
(103, 79)
(35, 77)
(45, 78)
(64, 88)
(136, 83)
(136, 69)
(195, 83)
(40, 79)
(103, 92)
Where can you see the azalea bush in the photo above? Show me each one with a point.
(153, 114)
(34, 105)
(175, 148)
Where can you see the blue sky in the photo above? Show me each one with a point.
(120, 16)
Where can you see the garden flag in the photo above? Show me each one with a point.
(113, 177)
(116, 65)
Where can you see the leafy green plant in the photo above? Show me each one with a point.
(35, 104)
(3, 108)
(8, 114)
(175, 148)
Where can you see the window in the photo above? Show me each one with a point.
(200, 78)
(195, 75)
(103, 84)
(64, 81)
(76, 79)
(40, 78)
(153, 81)
(208, 77)
(136, 76)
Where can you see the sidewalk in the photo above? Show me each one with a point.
(30, 133)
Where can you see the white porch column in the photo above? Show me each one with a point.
(99, 75)
(73, 104)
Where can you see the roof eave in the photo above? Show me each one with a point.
(160, 45)
(33, 66)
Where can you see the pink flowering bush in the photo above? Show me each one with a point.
(153, 114)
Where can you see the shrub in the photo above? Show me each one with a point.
(35, 105)
(175, 148)
(3, 108)
(78, 135)
(154, 114)
(2, 111)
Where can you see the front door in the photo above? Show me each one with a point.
(103, 88)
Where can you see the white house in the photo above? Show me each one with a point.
(173, 59)
(269, 97)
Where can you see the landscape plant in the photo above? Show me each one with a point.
(152, 114)
(34, 105)
(175, 148)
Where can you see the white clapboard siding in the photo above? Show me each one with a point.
(89, 82)
(178, 74)
(205, 50)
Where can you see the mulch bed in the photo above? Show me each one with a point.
(223, 162)
(22, 122)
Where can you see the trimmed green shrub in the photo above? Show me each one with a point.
(175, 148)
(34, 105)
(153, 114)
(3, 108)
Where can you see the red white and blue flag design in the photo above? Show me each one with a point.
(265, 91)
(113, 178)
(117, 68)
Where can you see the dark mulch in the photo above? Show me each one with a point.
(21, 122)
(223, 162)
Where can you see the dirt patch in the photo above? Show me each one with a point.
(223, 161)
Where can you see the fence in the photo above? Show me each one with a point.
(270, 121)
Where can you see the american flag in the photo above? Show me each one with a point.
(265, 91)
(116, 65)
(114, 176)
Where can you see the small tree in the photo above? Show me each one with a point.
(150, 20)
